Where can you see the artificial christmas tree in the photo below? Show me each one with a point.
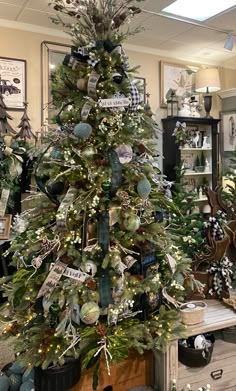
(93, 261)
(25, 127)
(5, 127)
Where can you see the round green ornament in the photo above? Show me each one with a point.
(106, 186)
(132, 223)
(83, 130)
(90, 312)
(144, 188)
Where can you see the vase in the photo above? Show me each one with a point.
(58, 378)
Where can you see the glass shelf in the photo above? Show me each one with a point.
(201, 199)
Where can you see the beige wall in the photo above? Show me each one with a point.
(26, 45)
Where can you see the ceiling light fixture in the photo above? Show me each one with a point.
(192, 23)
(199, 10)
(229, 44)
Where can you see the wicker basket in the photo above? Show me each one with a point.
(195, 358)
(193, 312)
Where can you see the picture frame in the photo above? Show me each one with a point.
(227, 139)
(178, 78)
(52, 54)
(5, 227)
(228, 126)
(13, 82)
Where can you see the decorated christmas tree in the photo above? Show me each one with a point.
(25, 126)
(93, 261)
(10, 163)
(5, 127)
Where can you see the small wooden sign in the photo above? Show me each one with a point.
(114, 102)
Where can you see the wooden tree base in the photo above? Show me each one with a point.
(136, 370)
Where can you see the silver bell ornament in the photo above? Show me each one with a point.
(83, 130)
(132, 223)
(144, 188)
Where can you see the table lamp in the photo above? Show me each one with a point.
(207, 80)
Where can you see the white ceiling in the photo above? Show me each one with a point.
(167, 37)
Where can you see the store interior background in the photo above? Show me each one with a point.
(25, 24)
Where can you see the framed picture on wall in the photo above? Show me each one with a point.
(178, 78)
(229, 130)
(5, 227)
(227, 140)
(13, 82)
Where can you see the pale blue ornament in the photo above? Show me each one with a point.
(57, 154)
(83, 130)
(144, 188)
(30, 376)
(4, 383)
(27, 386)
(15, 381)
(17, 368)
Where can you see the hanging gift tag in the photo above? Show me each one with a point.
(3, 201)
(92, 84)
(75, 313)
(114, 102)
(74, 274)
(171, 261)
(52, 279)
(63, 209)
(86, 110)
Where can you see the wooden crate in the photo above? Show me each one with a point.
(220, 373)
(136, 370)
(166, 365)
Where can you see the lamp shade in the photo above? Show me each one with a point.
(207, 80)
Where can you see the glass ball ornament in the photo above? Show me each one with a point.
(106, 186)
(144, 188)
(54, 309)
(82, 84)
(89, 312)
(90, 268)
(17, 368)
(55, 188)
(57, 154)
(132, 223)
(83, 130)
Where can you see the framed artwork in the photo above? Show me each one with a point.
(13, 82)
(5, 227)
(52, 55)
(178, 78)
(227, 139)
(229, 130)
